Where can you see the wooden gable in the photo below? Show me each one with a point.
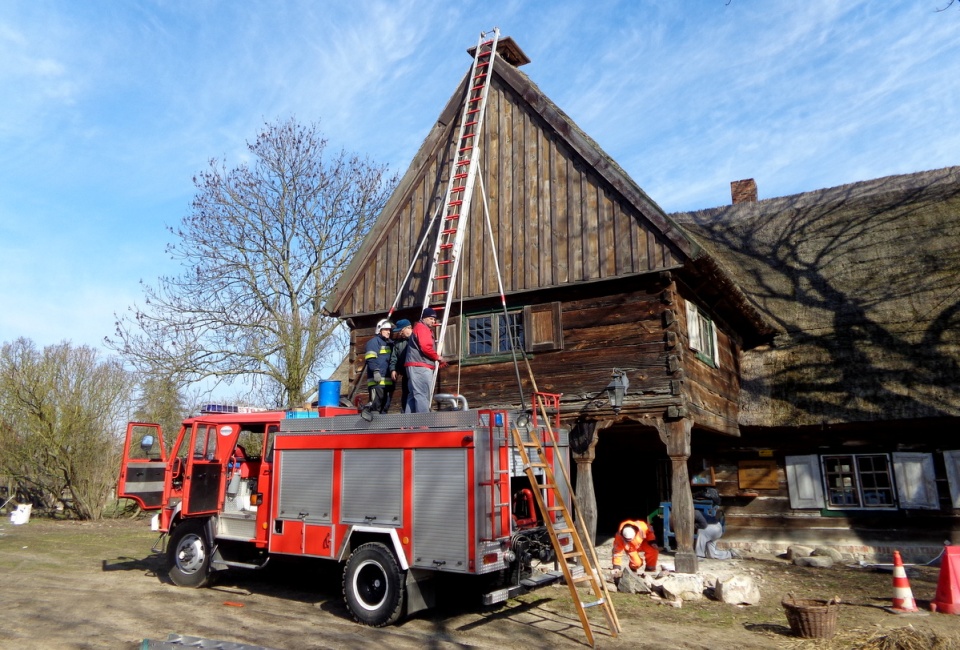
(561, 212)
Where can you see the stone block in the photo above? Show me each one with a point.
(827, 551)
(683, 586)
(737, 590)
(632, 583)
(796, 550)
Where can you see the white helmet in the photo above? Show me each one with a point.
(628, 532)
(384, 325)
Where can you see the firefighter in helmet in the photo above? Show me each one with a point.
(635, 538)
(377, 359)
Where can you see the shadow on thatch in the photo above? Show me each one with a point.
(862, 284)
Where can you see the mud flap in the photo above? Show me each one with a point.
(420, 590)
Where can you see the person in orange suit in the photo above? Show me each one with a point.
(635, 537)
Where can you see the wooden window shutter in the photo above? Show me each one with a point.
(916, 482)
(804, 481)
(952, 461)
(451, 340)
(542, 327)
(716, 348)
(693, 327)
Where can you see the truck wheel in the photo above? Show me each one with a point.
(188, 555)
(373, 585)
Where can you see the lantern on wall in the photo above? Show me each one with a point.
(617, 389)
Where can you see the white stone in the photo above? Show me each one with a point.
(827, 551)
(684, 586)
(796, 550)
(818, 561)
(737, 590)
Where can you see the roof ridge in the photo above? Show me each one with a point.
(885, 185)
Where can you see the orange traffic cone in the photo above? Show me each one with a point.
(903, 602)
(947, 600)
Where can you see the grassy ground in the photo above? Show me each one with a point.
(97, 585)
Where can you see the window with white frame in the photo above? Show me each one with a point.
(489, 334)
(859, 481)
(905, 480)
(702, 335)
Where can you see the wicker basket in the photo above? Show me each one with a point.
(812, 619)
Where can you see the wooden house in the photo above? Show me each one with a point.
(849, 414)
(600, 284)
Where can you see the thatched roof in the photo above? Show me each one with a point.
(862, 283)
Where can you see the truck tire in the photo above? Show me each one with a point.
(188, 555)
(374, 587)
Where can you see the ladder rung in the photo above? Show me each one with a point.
(572, 554)
(465, 149)
(602, 601)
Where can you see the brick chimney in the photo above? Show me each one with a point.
(743, 191)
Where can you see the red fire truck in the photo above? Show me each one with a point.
(397, 498)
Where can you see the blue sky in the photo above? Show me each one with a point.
(108, 109)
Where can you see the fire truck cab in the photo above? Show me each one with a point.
(396, 499)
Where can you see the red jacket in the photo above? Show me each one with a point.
(421, 348)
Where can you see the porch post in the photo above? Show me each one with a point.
(676, 436)
(586, 496)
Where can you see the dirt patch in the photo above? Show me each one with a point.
(97, 585)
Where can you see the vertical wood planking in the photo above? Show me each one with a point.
(531, 187)
(545, 212)
(507, 183)
(591, 218)
(575, 188)
(561, 215)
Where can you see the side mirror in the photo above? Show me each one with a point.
(146, 444)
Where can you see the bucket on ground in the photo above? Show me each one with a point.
(21, 515)
(329, 393)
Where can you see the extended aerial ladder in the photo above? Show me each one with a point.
(579, 566)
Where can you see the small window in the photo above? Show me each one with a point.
(490, 334)
(702, 335)
(859, 481)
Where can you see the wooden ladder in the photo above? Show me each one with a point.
(579, 565)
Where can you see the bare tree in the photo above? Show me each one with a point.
(61, 417)
(261, 248)
(162, 402)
